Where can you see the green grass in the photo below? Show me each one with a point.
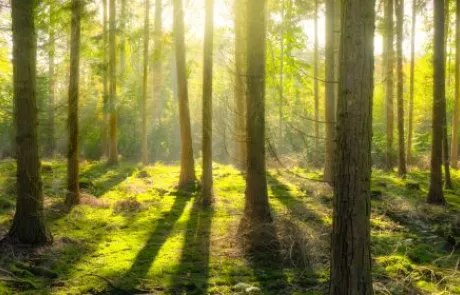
(137, 231)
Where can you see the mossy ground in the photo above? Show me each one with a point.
(135, 233)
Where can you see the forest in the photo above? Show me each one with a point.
(229, 147)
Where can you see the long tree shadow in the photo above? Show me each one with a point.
(160, 233)
(192, 276)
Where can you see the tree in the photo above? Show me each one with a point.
(316, 77)
(206, 183)
(187, 171)
(113, 150)
(157, 61)
(389, 71)
(399, 40)
(351, 260)
(330, 91)
(436, 194)
(454, 153)
(73, 189)
(144, 146)
(28, 224)
(239, 89)
(412, 82)
(256, 210)
(445, 137)
(105, 82)
(51, 146)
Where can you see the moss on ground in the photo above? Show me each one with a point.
(136, 233)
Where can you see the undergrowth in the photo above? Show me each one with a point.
(134, 233)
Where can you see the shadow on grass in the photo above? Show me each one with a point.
(192, 276)
(158, 236)
(101, 177)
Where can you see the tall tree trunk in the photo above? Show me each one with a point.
(187, 171)
(281, 86)
(389, 90)
(157, 60)
(144, 144)
(51, 143)
(73, 189)
(436, 194)
(316, 77)
(330, 91)
(28, 224)
(351, 260)
(257, 209)
(239, 90)
(399, 33)
(113, 150)
(106, 130)
(445, 137)
(412, 83)
(454, 158)
(206, 183)
(122, 41)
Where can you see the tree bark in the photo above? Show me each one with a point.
(239, 90)
(157, 60)
(113, 150)
(28, 224)
(436, 194)
(51, 143)
(445, 137)
(207, 183)
(412, 83)
(330, 92)
(316, 77)
(106, 130)
(187, 171)
(399, 33)
(454, 153)
(73, 189)
(389, 87)
(144, 143)
(257, 210)
(351, 260)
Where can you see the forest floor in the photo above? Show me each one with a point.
(136, 234)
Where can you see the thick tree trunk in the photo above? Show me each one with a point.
(106, 132)
(144, 143)
(436, 194)
(330, 92)
(316, 77)
(187, 171)
(113, 150)
(73, 189)
(351, 260)
(389, 68)
(28, 224)
(454, 154)
(239, 90)
(51, 143)
(399, 32)
(157, 61)
(206, 183)
(257, 209)
(412, 83)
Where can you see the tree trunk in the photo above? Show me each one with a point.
(399, 32)
(122, 41)
(239, 90)
(412, 83)
(454, 157)
(187, 171)
(389, 90)
(157, 61)
(351, 260)
(144, 144)
(316, 76)
(51, 144)
(281, 86)
(436, 194)
(445, 137)
(113, 150)
(28, 224)
(206, 183)
(257, 209)
(330, 92)
(73, 189)
(106, 130)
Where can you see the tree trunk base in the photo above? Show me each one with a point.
(30, 230)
